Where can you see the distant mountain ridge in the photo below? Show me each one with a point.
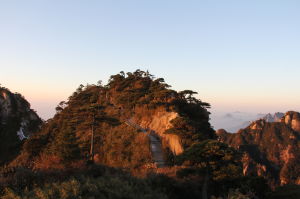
(271, 149)
(273, 118)
(235, 121)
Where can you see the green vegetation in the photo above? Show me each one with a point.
(65, 158)
(85, 187)
(105, 182)
(91, 182)
(286, 192)
(65, 146)
(140, 88)
(212, 160)
(103, 110)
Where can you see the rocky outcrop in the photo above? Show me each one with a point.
(17, 122)
(257, 125)
(271, 149)
(159, 121)
(292, 119)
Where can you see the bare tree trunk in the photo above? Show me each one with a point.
(92, 141)
(205, 185)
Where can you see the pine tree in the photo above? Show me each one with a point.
(213, 160)
(66, 146)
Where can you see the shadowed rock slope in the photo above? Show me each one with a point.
(271, 149)
(17, 122)
(177, 118)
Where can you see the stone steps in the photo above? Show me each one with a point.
(155, 144)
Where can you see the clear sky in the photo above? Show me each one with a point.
(239, 55)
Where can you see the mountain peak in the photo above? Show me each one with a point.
(276, 117)
(270, 148)
(17, 122)
(122, 114)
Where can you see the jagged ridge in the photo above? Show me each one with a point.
(271, 149)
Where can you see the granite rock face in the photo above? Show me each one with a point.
(17, 122)
(159, 121)
(271, 149)
(292, 119)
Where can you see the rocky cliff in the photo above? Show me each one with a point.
(159, 120)
(271, 149)
(292, 119)
(17, 122)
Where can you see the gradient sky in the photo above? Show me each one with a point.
(238, 55)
